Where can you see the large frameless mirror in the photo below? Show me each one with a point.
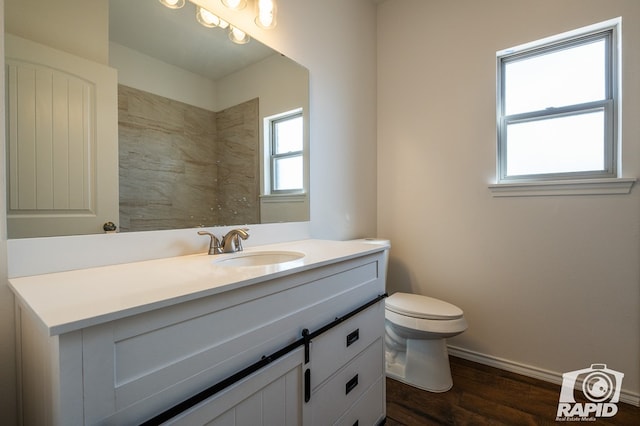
(171, 130)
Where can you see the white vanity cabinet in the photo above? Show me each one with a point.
(126, 366)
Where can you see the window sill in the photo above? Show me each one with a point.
(567, 187)
(284, 198)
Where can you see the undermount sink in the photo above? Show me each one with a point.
(260, 258)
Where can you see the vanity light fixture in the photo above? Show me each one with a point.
(235, 4)
(266, 14)
(238, 36)
(208, 19)
(173, 4)
(265, 11)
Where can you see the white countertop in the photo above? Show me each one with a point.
(68, 301)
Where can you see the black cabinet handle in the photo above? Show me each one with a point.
(351, 384)
(353, 337)
(307, 385)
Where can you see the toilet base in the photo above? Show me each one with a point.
(424, 365)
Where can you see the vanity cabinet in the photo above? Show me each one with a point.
(128, 368)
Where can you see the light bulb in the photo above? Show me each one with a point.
(238, 36)
(173, 4)
(206, 18)
(266, 5)
(235, 4)
(266, 14)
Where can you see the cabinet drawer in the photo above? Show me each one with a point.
(346, 387)
(368, 410)
(337, 346)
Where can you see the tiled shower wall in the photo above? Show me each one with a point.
(238, 153)
(181, 166)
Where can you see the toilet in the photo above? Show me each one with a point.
(416, 329)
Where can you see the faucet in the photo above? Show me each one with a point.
(230, 243)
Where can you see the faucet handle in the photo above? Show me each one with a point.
(214, 245)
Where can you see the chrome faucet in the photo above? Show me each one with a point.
(231, 242)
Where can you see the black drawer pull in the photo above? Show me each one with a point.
(307, 385)
(356, 423)
(351, 384)
(353, 337)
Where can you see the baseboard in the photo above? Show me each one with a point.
(528, 370)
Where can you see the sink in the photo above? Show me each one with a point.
(259, 258)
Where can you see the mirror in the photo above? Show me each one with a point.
(190, 123)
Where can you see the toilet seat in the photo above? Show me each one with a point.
(422, 307)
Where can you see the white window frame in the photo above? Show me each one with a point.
(271, 156)
(539, 184)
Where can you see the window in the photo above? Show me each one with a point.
(557, 107)
(286, 147)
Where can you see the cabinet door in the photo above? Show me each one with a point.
(271, 396)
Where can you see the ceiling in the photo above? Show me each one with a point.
(175, 37)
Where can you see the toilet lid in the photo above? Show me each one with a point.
(414, 305)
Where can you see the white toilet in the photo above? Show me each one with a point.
(415, 340)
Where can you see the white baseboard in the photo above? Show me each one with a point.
(528, 370)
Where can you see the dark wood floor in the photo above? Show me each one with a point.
(483, 395)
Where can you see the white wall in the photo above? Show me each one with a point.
(335, 40)
(32, 19)
(7, 335)
(550, 284)
(166, 80)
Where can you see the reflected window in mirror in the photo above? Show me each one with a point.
(285, 137)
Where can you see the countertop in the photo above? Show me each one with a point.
(69, 301)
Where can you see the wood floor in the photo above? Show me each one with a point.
(483, 395)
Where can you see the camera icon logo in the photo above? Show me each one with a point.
(598, 385)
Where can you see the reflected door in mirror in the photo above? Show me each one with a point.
(61, 112)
